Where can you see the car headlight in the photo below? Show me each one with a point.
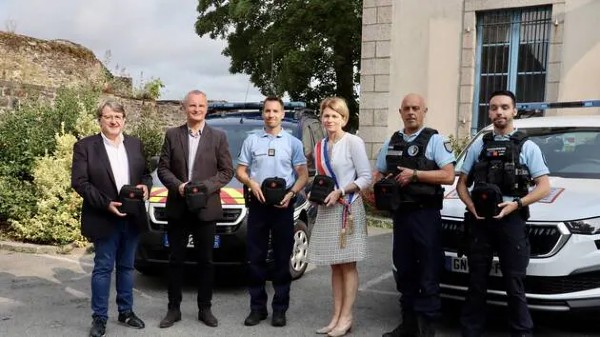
(586, 226)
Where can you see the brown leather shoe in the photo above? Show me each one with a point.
(205, 315)
(173, 315)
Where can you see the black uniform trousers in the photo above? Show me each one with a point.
(418, 257)
(203, 234)
(278, 224)
(508, 238)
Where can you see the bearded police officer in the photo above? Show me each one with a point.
(420, 160)
(501, 165)
(273, 166)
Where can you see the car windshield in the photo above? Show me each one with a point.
(237, 133)
(570, 152)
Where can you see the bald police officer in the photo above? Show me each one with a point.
(420, 160)
(501, 165)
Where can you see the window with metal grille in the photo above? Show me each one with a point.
(512, 53)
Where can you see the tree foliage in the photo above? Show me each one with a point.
(309, 49)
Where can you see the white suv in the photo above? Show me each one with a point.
(564, 227)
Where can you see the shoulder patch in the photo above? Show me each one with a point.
(448, 146)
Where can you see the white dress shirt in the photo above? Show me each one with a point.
(193, 141)
(119, 164)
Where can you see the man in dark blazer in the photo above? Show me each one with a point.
(193, 152)
(102, 164)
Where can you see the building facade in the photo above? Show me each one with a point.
(456, 52)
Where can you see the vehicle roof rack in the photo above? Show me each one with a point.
(536, 109)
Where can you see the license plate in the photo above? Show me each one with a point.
(216, 244)
(461, 265)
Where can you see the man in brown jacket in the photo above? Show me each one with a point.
(193, 153)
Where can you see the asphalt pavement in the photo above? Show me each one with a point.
(49, 295)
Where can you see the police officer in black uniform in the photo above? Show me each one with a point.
(500, 165)
(419, 161)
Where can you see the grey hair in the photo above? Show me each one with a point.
(192, 92)
(113, 105)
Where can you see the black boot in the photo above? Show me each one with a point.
(407, 328)
(427, 326)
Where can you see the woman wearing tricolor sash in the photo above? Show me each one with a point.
(339, 236)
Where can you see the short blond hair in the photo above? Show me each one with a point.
(338, 105)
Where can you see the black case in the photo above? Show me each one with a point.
(131, 199)
(486, 198)
(273, 189)
(321, 187)
(196, 196)
(387, 194)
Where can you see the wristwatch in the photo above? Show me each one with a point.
(293, 193)
(519, 202)
(415, 177)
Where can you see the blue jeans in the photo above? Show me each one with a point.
(119, 247)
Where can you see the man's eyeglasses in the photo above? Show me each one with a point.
(117, 118)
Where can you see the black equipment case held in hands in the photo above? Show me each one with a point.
(196, 196)
(386, 193)
(131, 199)
(273, 189)
(486, 198)
(321, 187)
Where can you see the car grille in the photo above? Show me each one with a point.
(534, 284)
(542, 238)
(231, 217)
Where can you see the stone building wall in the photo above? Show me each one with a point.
(375, 73)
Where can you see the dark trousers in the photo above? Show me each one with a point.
(118, 248)
(418, 257)
(277, 223)
(508, 238)
(203, 234)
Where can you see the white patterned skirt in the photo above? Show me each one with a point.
(325, 245)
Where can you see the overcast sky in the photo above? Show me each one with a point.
(155, 37)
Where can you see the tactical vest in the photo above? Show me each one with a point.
(499, 165)
(412, 155)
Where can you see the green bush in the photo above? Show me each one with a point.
(458, 143)
(17, 199)
(28, 133)
(148, 129)
(37, 203)
(56, 220)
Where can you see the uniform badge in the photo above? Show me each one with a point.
(448, 146)
(413, 150)
(271, 152)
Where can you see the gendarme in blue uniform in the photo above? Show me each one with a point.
(435, 150)
(417, 248)
(267, 156)
(288, 153)
(508, 239)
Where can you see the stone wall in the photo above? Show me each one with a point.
(51, 64)
(375, 73)
(32, 69)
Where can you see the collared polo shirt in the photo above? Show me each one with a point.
(272, 156)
